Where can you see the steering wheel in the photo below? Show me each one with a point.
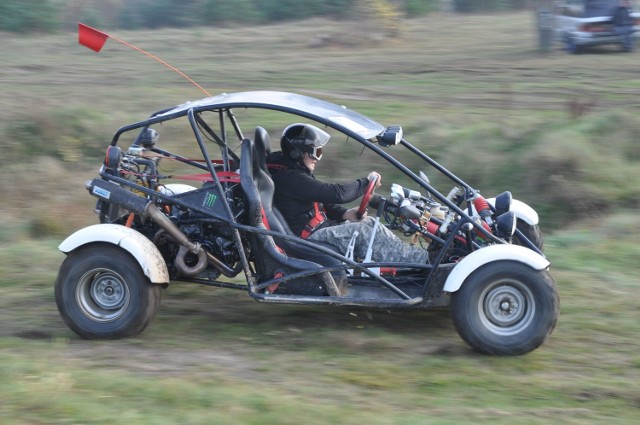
(367, 197)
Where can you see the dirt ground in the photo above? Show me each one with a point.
(196, 326)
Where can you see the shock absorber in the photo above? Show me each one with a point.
(484, 211)
(433, 227)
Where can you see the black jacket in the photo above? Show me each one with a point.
(297, 189)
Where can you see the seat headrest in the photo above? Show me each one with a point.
(262, 141)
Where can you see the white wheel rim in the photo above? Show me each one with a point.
(506, 307)
(103, 295)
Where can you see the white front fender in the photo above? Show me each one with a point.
(132, 241)
(523, 211)
(488, 254)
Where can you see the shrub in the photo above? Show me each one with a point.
(417, 8)
(217, 11)
(68, 134)
(468, 6)
(28, 15)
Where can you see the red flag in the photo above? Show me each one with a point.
(91, 37)
(95, 39)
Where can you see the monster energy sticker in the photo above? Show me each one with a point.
(209, 200)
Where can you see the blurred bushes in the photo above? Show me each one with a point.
(43, 196)
(28, 15)
(280, 10)
(469, 6)
(51, 15)
(567, 170)
(416, 8)
(69, 135)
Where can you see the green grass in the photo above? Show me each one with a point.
(216, 356)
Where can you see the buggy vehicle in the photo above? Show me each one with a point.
(583, 23)
(222, 229)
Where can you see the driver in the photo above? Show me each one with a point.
(312, 208)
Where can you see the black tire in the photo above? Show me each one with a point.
(628, 43)
(531, 232)
(505, 308)
(571, 46)
(101, 292)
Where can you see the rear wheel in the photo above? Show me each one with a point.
(505, 308)
(628, 43)
(101, 292)
(571, 46)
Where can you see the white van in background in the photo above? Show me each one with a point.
(582, 23)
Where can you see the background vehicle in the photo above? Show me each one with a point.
(583, 23)
(486, 258)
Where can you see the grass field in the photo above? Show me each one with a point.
(216, 356)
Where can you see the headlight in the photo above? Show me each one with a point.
(506, 224)
(503, 203)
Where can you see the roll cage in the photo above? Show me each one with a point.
(356, 126)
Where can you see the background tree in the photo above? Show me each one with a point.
(55, 15)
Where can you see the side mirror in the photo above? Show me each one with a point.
(390, 136)
(423, 176)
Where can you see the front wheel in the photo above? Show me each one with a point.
(101, 292)
(505, 308)
(531, 232)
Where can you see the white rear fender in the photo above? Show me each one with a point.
(132, 241)
(522, 211)
(488, 254)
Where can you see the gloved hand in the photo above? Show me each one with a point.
(377, 176)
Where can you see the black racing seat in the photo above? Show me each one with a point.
(269, 260)
(266, 187)
(276, 220)
(262, 141)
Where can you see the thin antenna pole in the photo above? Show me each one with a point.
(95, 39)
(164, 63)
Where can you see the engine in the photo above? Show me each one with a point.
(446, 234)
(193, 245)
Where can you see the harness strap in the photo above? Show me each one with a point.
(276, 167)
(317, 219)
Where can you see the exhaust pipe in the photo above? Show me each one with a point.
(145, 208)
(186, 245)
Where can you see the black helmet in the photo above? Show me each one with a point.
(300, 138)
